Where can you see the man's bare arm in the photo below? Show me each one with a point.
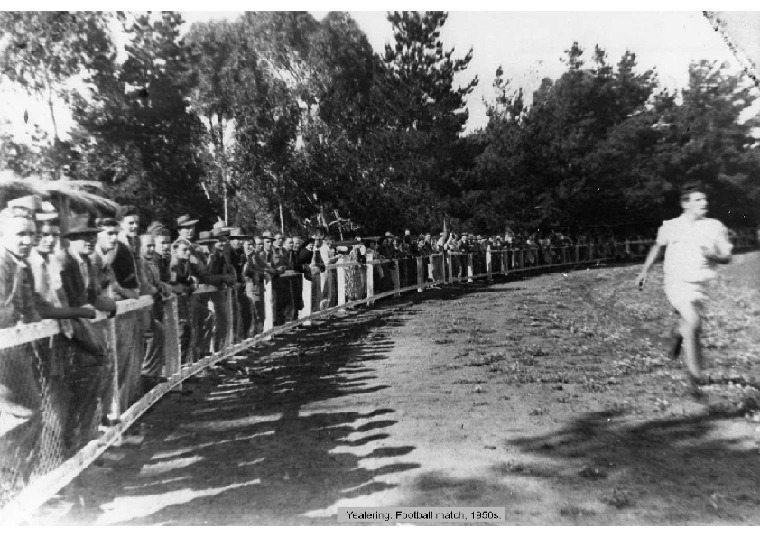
(654, 253)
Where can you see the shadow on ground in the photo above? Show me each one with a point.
(237, 447)
(675, 470)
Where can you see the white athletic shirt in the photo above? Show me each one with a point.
(684, 239)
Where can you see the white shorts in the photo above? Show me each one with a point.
(686, 295)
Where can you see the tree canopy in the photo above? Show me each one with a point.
(279, 119)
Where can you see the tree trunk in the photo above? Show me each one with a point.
(226, 200)
(57, 170)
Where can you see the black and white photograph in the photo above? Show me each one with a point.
(380, 269)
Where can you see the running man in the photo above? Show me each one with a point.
(694, 245)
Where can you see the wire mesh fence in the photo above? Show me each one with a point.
(58, 392)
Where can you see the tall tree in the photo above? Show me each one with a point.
(140, 135)
(426, 108)
(46, 51)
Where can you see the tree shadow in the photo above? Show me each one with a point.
(675, 470)
(243, 447)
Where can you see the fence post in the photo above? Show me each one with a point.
(370, 280)
(268, 303)
(420, 274)
(307, 302)
(114, 405)
(341, 273)
(231, 319)
(489, 268)
(173, 361)
(396, 280)
(316, 292)
(470, 268)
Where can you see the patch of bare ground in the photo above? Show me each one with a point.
(552, 396)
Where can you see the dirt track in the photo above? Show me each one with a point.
(551, 396)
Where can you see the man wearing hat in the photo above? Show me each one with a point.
(258, 265)
(219, 270)
(237, 255)
(253, 274)
(202, 249)
(82, 282)
(46, 269)
(79, 276)
(163, 253)
(237, 260)
(297, 262)
(153, 360)
(186, 230)
(283, 288)
(186, 227)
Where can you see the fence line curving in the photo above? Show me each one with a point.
(67, 394)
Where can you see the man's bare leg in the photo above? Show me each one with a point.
(676, 339)
(691, 323)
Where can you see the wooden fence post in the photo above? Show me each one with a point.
(173, 361)
(370, 280)
(341, 273)
(268, 304)
(114, 405)
(420, 274)
(470, 268)
(489, 267)
(396, 279)
(231, 318)
(307, 301)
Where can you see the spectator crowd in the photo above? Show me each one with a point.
(110, 259)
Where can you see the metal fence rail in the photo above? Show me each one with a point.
(65, 391)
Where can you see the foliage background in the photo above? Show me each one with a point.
(278, 119)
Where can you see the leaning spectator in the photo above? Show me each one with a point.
(162, 238)
(274, 264)
(153, 360)
(17, 305)
(184, 274)
(300, 259)
(237, 240)
(80, 279)
(253, 272)
(124, 262)
(102, 256)
(46, 269)
(237, 256)
(219, 269)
